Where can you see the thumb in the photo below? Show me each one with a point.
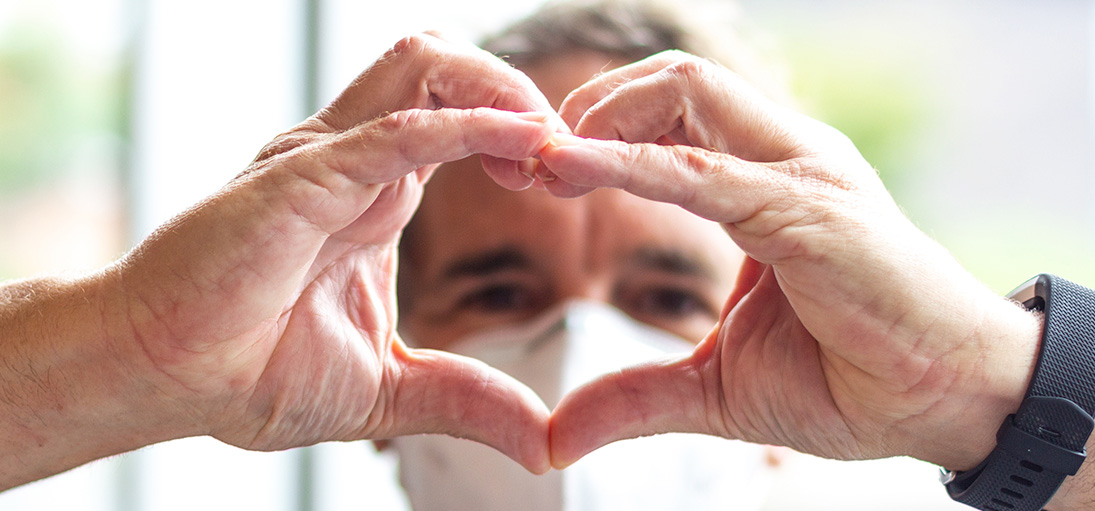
(657, 397)
(439, 392)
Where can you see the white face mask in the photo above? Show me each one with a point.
(553, 354)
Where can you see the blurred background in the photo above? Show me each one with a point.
(117, 114)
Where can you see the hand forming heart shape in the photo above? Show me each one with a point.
(831, 342)
(265, 316)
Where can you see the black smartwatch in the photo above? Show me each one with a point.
(1043, 442)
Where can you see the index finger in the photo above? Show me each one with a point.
(580, 100)
(425, 71)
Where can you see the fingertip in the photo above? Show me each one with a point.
(499, 133)
(559, 187)
(580, 425)
(558, 462)
(544, 174)
(583, 164)
(540, 467)
(441, 392)
(561, 448)
(657, 397)
(547, 180)
(509, 174)
(561, 465)
(547, 125)
(516, 175)
(535, 456)
(566, 147)
(561, 139)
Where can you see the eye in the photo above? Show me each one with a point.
(498, 298)
(670, 303)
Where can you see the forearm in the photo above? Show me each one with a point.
(67, 392)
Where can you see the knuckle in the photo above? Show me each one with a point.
(477, 115)
(702, 166)
(708, 176)
(413, 44)
(698, 160)
(633, 153)
(398, 121)
(815, 177)
(282, 145)
(691, 70)
(472, 121)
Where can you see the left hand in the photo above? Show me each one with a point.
(850, 333)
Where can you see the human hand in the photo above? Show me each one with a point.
(265, 316)
(850, 333)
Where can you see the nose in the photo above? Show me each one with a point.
(584, 287)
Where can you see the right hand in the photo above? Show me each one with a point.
(850, 333)
(266, 315)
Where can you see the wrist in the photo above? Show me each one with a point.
(158, 410)
(70, 391)
(991, 386)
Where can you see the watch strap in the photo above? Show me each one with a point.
(1043, 442)
(1066, 364)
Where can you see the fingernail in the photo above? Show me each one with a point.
(527, 168)
(539, 117)
(545, 175)
(565, 139)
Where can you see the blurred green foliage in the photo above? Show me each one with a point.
(50, 99)
(879, 96)
(60, 103)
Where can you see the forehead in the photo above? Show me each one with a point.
(558, 76)
(463, 213)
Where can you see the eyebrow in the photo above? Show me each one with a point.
(486, 263)
(671, 261)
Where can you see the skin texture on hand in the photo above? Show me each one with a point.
(850, 333)
(265, 316)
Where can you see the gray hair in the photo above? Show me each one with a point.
(631, 30)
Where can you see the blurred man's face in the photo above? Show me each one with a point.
(485, 256)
